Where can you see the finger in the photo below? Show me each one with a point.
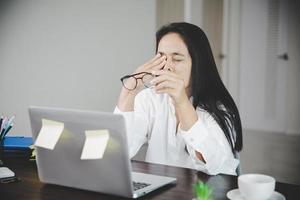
(159, 60)
(166, 76)
(158, 55)
(155, 63)
(148, 63)
(171, 68)
(169, 91)
(162, 78)
(164, 72)
(165, 84)
(159, 66)
(168, 64)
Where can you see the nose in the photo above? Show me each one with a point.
(168, 65)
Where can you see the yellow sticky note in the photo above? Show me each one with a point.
(49, 134)
(95, 144)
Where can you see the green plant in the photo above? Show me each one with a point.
(202, 191)
(33, 152)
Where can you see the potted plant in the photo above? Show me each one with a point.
(202, 191)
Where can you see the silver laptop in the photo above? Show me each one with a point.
(111, 175)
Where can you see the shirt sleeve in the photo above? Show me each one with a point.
(137, 123)
(206, 137)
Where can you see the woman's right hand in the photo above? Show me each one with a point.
(126, 98)
(156, 63)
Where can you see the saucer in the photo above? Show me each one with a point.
(236, 195)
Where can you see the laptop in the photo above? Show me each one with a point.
(112, 174)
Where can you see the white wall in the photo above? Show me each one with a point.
(269, 86)
(293, 91)
(70, 54)
(193, 12)
(168, 11)
(252, 62)
(231, 48)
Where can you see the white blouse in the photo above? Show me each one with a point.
(153, 121)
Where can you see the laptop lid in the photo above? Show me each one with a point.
(63, 166)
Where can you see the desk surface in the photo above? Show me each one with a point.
(30, 188)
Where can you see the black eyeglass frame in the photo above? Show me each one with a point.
(136, 79)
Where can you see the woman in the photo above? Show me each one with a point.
(187, 116)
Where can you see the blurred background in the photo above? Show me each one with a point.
(72, 53)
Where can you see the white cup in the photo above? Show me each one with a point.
(256, 186)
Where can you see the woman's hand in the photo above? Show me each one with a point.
(126, 98)
(170, 83)
(156, 63)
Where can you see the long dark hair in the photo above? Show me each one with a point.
(206, 86)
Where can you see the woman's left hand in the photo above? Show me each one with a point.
(170, 83)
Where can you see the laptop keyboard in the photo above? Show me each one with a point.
(139, 185)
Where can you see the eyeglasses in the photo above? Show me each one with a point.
(130, 82)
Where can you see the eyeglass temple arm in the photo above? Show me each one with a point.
(131, 75)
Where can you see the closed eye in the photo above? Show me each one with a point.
(177, 60)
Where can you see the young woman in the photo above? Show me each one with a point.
(177, 103)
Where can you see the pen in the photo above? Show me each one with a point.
(9, 122)
(7, 130)
(10, 179)
(1, 119)
(1, 134)
(4, 120)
